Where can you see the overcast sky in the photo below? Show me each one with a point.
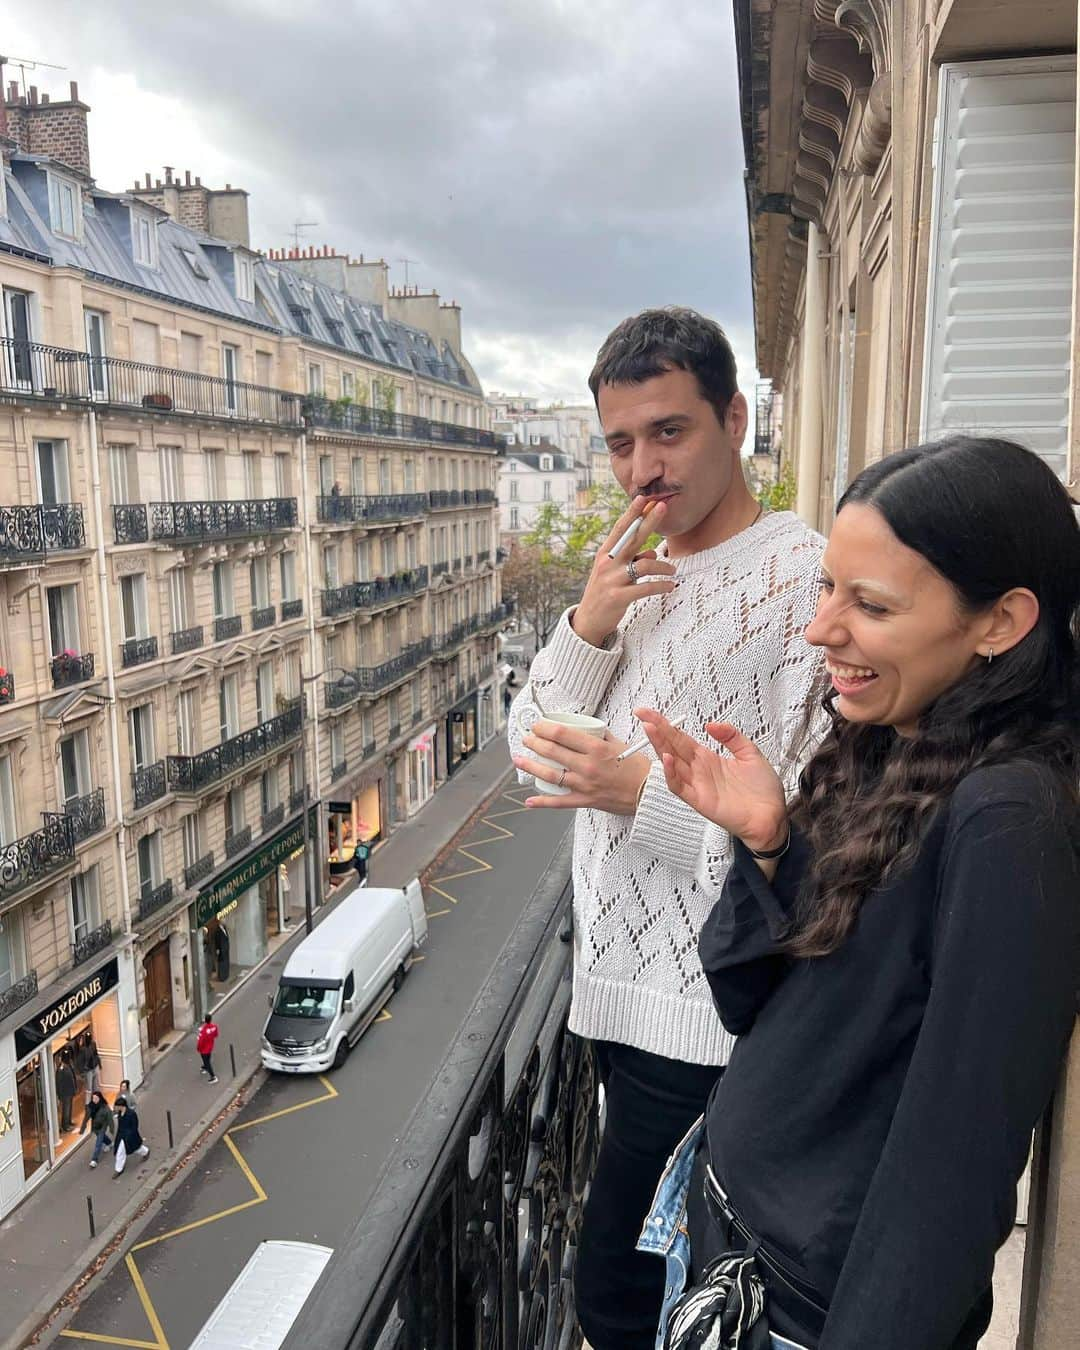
(552, 165)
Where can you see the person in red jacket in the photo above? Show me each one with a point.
(204, 1044)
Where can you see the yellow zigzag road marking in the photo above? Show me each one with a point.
(482, 865)
(161, 1341)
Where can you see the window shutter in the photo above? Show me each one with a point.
(1000, 295)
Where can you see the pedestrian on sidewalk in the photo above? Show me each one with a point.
(204, 1044)
(102, 1124)
(128, 1138)
(126, 1092)
(88, 1064)
(66, 1087)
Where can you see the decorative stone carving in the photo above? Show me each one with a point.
(127, 564)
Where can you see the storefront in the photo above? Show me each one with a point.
(237, 917)
(461, 723)
(37, 1128)
(356, 822)
(420, 754)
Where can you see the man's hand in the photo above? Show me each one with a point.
(610, 592)
(595, 776)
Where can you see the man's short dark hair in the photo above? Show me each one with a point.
(672, 338)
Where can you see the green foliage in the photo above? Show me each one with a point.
(778, 496)
(383, 395)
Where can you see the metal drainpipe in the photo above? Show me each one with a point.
(110, 675)
(808, 490)
(312, 874)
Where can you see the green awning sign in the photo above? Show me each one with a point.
(224, 895)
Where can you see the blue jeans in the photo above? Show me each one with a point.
(101, 1141)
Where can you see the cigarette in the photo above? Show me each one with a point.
(640, 745)
(629, 532)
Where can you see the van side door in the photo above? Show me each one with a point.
(348, 994)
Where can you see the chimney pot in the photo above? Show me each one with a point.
(168, 174)
(44, 98)
(187, 177)
(13, 91)
(157, 183)
(198, 181)
(33, 95)
(228, 187)
(74, 88)
(147, 180)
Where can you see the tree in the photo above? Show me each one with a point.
(778, 496)
(542, 573)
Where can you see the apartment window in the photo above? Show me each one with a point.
(455, 551)
(337, 744)
(547, 489)
(326, 474)
(410, 475)
(314, 378)
(213, 463)
(410, 550)
(122, 474)
(8, 831)
(148, 853)
(223, 590)
(348, 384)
(331, 647)
(12, 951)
(20, 330)
(229, 706)
(145, 342)
(259, 580)
(169, 462)
(141, 735)
(85, 904)
(356, 477)
(384, 476)
(63, 605)
(513, 490)
(230, 370)
(264, 691)
(331, 572)
(292, 675)
(513, 466)
(180, 600)
(192, 836)
(143, 238)
(296, 771)
(514, 518)
(388, 549)
(187, 722)
(53, 482)
(367, 726)
(268, 790)
(393, 710)
(74, 757)
(251, 474)
(191, 352)
(363, 565)
(417, 699)
(234, 812)
(287, 569)
(245, 278)
(65, 206)
(282, 475)
(133, 606)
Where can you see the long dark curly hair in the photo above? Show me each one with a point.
(989, 516)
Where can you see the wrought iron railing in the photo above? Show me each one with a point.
(468, 561)
(296, 800)
(237, 841)
(361, 421)
(28, 534)
(445, 643)
(376, 593)
(15, 995)
(344, 510)
(62, 527)
(291, 609)
(441, 498)
(148, 784)
(26, 861)
(7, 688)
(372, 679)
(196, 522)
(484, 556)
(485, 496)
(134, 651)
(83, 948)
(87, 814)
(71, 669)
(154, 898)
(194, 773)
(186, 640)
(263, 616)
(129, 524)
(339, 693)
(228, 626)
(369, 749)
(394, 731)
(200, 869)
(468, 496)
(272, 819)
(437, 569)
(338, 770)
(470, 1236)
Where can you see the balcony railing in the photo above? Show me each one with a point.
(367, 510)
(441, 498)
(154, 898)
(361, 421)
(199, 870)
(229, 626)
(485, 496)
(15, 995)
(470, 1236)
(72, 669)
(263, 617)
(445, 643)
(394, 731)
(296, 800)
(7, 688)
(292, 609)
(148, 784)
(374, 594)
(28, 534)
(194, 773)
(31, 368)
(129, 524)
(338, 770)
(237, 841)
(484, 556)
(82, 949)
(437, 569)
(186, 640)
(272, 819)
(200, 522)
(369, 749)
(29, 859)
(87, 814)
(373, 679)
(134, 651)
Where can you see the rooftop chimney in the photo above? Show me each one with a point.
(40, 126)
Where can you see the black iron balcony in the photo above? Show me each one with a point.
(338, 770)
(204, 522)
(394, 730)
(485, 496)
(154, 898)
(468, 496)
(292, 609)
(369, 749)
(7, 687)
(228, 626)
(374, 594)
(29, 859)
(134, 651)
(237, 841)
(68, 668)
(28, 534)
(82, 949)
(15, 995)
(148, 784)
(199, 870)
(494, 618)
(389, 506)
(296, 800)
(339, 693)
(468, 561)
(474, 1222)
(440, 499)
(339, 599)
(373, 679)
(263, 617)
(360, 421)
(437, 569)
(87, 814)
(191, 774)
(129, 524)
(484, 556)
(272, 819)
(186, 640)
(446, 642)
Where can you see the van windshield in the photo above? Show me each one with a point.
(301, 1000)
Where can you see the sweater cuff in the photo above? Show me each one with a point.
(582, 671)
(666, 827)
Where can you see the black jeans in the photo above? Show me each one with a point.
(650, 1104)
(207, 1065)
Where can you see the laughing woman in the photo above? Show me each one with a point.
(897, 947)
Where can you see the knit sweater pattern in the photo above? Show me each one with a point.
(726, 645)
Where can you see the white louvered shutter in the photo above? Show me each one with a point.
(1000, 296)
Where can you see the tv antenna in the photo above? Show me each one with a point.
(299, 225)
(26, 63)
(405, 263)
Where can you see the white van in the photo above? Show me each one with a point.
(265, 1299)
(335, 983)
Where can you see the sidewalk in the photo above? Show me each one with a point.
(45, 1244)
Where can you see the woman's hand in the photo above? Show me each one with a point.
(740, 791)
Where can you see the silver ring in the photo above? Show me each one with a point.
(631, 571)
(562, 778)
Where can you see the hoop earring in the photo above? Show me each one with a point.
(989, 656)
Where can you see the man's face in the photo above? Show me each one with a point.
(667, 442)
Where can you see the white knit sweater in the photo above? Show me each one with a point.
(725, 645)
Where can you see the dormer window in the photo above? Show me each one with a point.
(143, 238)
(65, 206)
(545, 463)
(195, 263)
(245, 278)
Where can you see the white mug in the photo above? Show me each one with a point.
(580, 722)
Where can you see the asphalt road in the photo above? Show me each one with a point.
(318, 1161)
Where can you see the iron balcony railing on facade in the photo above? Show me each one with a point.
(28, 860)
(148, 784)
(485, 496)
(368, 750)
(28, 534)
(339, 770)
(292, 609)
(357, 420)
(373, 679)
(467, 560)
(68, 668)
(394, 731)
(446, 642)
(7, 688)
(194, 773)
(340, 693)
(468, 496)
(296, 800)
(228, 626)
(272, 819)
(376, 593)
(154, 898)
(201, 522)
(15, 995)
(186, 640)
(371, 509)
(237, 841)
(129, 524)
(199, 870)
(83, 948)
(439, 499)
(134, 651)
(263, 617)
(87, 814)
(470, 1236)
(437, 569)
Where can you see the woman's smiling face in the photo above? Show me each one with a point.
(894, 633)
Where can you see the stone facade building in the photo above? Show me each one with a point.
(238, 494)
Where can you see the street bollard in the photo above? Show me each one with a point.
(90, 1211)
(168, 1118)
(232, 1058)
